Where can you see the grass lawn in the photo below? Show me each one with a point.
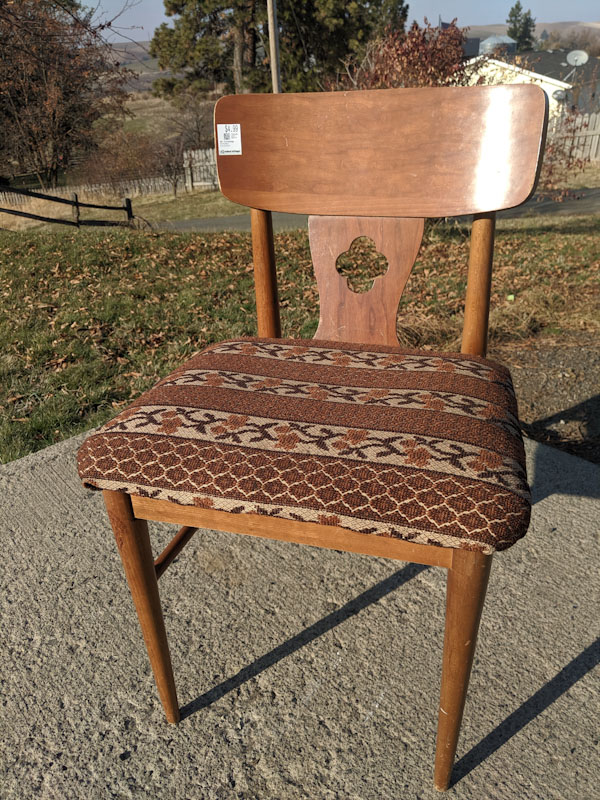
(159, 208)
(150, 115)
(89, 319)
(588, 177)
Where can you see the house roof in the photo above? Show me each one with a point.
(553, 64)
(506, 62)
(582, 85)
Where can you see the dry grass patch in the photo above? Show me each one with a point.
(587, 178)
(150, 115)
(150, 208)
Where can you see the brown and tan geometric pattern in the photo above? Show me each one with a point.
(419, 446)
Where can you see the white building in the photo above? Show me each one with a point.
(495, 42)
(495, 71)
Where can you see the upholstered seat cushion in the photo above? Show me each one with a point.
(414, 445)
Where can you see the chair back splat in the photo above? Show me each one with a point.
(345, 441)
(369, 317)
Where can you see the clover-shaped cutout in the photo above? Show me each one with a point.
(361, 264)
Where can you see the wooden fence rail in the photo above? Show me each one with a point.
(200, 168)
(76, 205)
(583, 135)
(135, 187)
(587, 137)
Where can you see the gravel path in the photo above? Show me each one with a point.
(580, 201)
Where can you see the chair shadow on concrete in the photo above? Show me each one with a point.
(515, 722)
(529, 710)
(557, 475)
(295, 643)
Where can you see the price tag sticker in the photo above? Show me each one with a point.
(229, 139)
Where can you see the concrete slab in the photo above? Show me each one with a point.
(302, 673)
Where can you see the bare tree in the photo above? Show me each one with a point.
(58, 79)
(423, 56)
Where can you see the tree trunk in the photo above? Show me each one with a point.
(252, 37)
(238, 58)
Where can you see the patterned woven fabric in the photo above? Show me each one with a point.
(414, 445)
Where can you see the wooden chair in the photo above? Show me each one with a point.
(345, 441)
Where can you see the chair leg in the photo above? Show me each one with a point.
(465, 595)
(133, 542)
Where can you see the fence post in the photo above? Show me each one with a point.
(75, 209)
(128, 209)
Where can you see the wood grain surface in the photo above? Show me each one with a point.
(394, 152)
(290, 530)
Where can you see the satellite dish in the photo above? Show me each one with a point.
(559, 95)
(576, 58)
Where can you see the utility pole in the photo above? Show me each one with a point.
(274, 46)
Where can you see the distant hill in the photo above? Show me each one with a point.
(131, 52)
(483, 31)
(136, 57)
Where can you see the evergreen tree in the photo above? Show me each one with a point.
(215, 43)
(210, 41)
(392, 17)
(521, 27)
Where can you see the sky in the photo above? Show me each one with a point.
(143, 16)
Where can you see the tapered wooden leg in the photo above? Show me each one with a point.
(465, 594)
(133, 542)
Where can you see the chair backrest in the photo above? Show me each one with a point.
(398, 153)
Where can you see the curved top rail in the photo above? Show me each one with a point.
(393, 152)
